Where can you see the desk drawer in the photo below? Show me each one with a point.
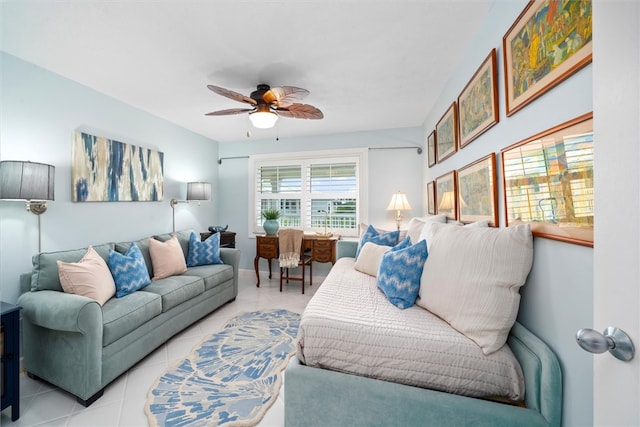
(322, 251)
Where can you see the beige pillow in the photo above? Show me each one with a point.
(369, 258)
(89, 277)
(167, 258)
(472, 279)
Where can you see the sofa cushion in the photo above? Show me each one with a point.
(45, 267)
(400, 271)
(369, 259)
(167, 258)
(143, 245)
(89, 277)
(213, 275)
(175, 290)
(390, 238)
(129, 270)
(123, 315)
(204, 253)
(416, 224)
(472, 279)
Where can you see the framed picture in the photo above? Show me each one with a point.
(446, 195)
(478, 101)
(447, 134)
(431, 149)
(478, 191)
(548, 182)
(549, 41)
(431, 198)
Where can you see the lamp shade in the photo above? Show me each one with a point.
(448, 201)
(263, 119)
(399, 202)
(26, 180)
(198, 191)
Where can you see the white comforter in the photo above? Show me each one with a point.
(350, 326)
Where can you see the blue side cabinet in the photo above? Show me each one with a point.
(10, 349)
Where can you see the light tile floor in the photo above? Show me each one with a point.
(123, 401)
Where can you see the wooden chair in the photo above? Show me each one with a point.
(304, 258)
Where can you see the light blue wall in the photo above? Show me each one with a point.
(389, 170)
(558, 297)
(40, 111)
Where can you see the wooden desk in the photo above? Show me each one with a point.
(323, 249)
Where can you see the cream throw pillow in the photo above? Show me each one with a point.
(369, 258)
(416, 225)
(89, 277)
(472, 279)
(167, 258)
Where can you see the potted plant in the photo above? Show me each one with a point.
(271, 224)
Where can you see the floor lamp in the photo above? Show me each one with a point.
(195, 191)
(28, 181)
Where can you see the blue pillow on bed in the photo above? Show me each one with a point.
(399, 273)
(389, 238)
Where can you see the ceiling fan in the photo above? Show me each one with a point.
(267, 103)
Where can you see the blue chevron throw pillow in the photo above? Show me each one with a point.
(129, 270)
(399, 273)
(204, 253)
(389, 238)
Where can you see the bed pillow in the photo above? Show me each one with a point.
(390, 238)
(204, 253)
(89, 277)
(369, 259)
(416, 224)
(129, 270)
(400, 271)
(167, 258)
(472, 279)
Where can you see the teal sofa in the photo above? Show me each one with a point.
(319, 397)
(79, 346)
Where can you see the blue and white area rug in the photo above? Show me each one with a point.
(231, 378)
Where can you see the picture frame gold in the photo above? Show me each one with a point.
(447, 134)
(431, 149)
(446, 191)
(546, 44)
(478, 191)
(478, 101)
(548, 182)
(431, 197)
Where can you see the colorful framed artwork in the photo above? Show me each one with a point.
(431, 198)
(478, 191)
(548, 182)
(447, 134)
(104, 170)
(446, 200)
(431, 149)
(478, 101)
(548, 42)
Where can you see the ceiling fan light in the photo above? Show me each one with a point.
(263, 119)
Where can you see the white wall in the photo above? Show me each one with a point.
(40, 112)
(557, 299)
(389, 170)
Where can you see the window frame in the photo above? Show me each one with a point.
(305, 159)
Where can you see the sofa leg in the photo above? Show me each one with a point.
(90, 400)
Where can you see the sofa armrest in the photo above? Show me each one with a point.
(231, 256)
(346, 248)
(62, 312)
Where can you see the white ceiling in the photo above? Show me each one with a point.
(368, 64)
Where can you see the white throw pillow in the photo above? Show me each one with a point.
(89, 277)
(425, 231)
(472, 279)
(369, 258)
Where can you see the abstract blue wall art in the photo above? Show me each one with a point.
(104, 170)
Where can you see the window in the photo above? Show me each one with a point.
(313, 191)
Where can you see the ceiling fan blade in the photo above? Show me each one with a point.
(230, 112)
(284, 96)
(300, 111)
(231, 94)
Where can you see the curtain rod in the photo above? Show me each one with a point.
(412, 147)
(229, 158)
